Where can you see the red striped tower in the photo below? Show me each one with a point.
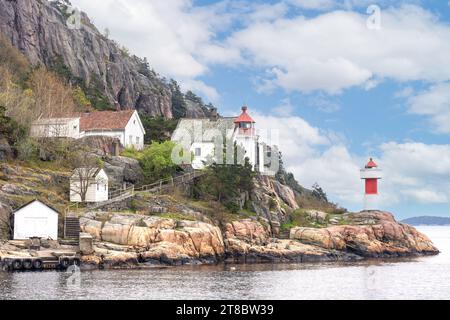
(371, 174)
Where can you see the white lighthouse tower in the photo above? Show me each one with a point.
(371, 174)
(246, 136)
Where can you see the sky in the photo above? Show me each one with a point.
(341, 81)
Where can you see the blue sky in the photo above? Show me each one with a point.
(338, 87)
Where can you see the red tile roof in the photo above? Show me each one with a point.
(244, 117)
(105, 120)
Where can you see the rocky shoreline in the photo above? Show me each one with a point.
(129, 241)
(126, 241)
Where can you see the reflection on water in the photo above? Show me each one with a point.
(418, 278)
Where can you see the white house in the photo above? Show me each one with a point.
(202, 137)
(36, 219)
(124, 125)
(93, 182)
(56, 128)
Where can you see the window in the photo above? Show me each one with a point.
(198, 152)
(137, 141)
(105, 187)
(131, 139)
(98, 187)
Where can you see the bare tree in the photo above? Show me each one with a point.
(86, 168)
(52, 98)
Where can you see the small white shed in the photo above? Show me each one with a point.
(93, 182)
(36, 219)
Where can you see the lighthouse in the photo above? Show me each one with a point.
(371, 174)
(246, 136)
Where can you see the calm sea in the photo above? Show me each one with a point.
(418, 278)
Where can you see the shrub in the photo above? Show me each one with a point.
(27, 149)
(155, 160)
(10, 129)
(232, 206)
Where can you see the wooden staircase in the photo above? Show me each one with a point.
(72, 230)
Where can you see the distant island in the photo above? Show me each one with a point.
(427, 221)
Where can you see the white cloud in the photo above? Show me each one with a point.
(315, 155)
(413, 172)
(426, 196)
(416, 171)
(330, 52)
(334, 51)
(285, 108)
(336, 170)
(314, 4)
(434, 104)
(323, 103)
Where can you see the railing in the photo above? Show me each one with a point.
(119, 192)
(114, 196)
(170, 182)
(122, 194)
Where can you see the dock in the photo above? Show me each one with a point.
(39, 260)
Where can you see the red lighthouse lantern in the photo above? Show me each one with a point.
(244, 123)
(371, 174)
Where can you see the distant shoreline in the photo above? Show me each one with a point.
(427, 221)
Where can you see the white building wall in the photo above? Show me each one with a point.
(134, 133)
(36, 220)
(56, 128)
(119, 134)
(249, 143)
(96, 192)
(207, 153)
(261, 157)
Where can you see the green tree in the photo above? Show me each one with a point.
(194, 98)
(10, 129)
(156, 161)
(179, 106)
(225, 183)
(318, 192)
(157, 129)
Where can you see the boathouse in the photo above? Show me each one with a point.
(35, 219)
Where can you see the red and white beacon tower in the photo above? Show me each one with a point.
(371, 174)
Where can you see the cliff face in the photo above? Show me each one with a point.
(39, 30)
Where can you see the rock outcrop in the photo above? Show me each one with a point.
(273, 201)
(153, 239)
(372, 234)
(123, 169)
